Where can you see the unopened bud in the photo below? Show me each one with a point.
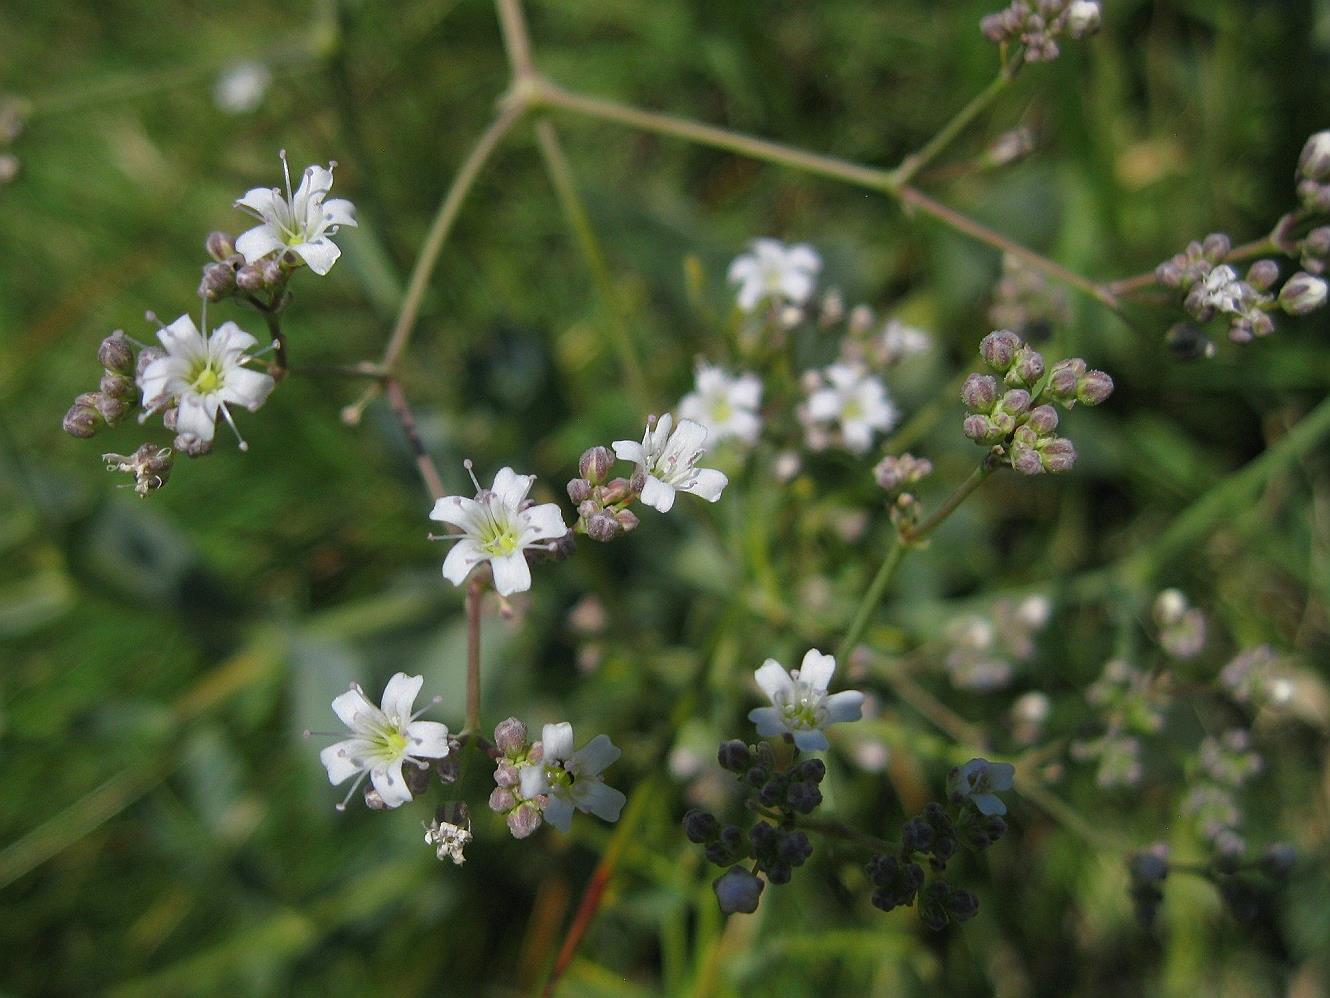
(627, 520)
(524, 819)
(861, 319)
(595, 465)
(1026, 460)
(977, 428)
(999, 349)
(735, 756)
(271, 271)
(219, 246)
(502, 800)
(1015, 401)
(979, 392)
(1216, 246)
(171, 417)
(1027, 368)
(603, 527)
(579, 490)
(82, 421)
(738, 890)
(112, 409)
(1094, 387)
(1314, 163)
(374, 800)
(506, 774)
(116, 354)
(1058, 455)
(700, 826)
(219, 280)
(510, 736)
(249, 277)
(1262, 274)
(1043, 420)
(118, 386)
(1083, 18)
(1064, 377)
(1302, 293)
(192, 446)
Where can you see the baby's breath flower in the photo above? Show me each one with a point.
(301, 222)
(668, 460)
(499, 525)
(855, 401)
(242, 87)
(979, 781)
(726, 405)
(775, 273)
(801, 706)
(570, 779)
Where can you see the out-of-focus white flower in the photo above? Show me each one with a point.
(1033, 611)
(899, 341)
(856, 402)
(498, 526)
(242, 87)
(301, 222)
(775, 272)
(727, 406)
(201, 375)
(980, 781)
(800, 704)
(1083, 18)
(382, 739)
(669, 461)
(572, 779)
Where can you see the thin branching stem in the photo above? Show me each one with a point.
(429, 472)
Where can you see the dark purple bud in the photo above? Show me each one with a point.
(595, 465)
(979, 392)
(700, 826)
(1043, 420)
(734, 756)
(738, 890)
(999, 349)
(1094, 387)
(116, 354)
(82, 421)
(1188, 343)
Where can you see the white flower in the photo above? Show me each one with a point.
(299, 222)
(496, 526)
(774, 271)
(450, 832)
(899, 341)
(800, 703)
(242, 87)
(203, 374)
(979, 780)
(669, 459)
(382, 739)
(1223, 290)
(856, 401)
(571, 779)
(726, 406)
(1083, 17)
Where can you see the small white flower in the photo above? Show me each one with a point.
(1223, 290)
(1083, 17)
(801, 705)
(301, 222)
(979, 781)
(856, 401)
(1033, 611)
(382, 739)
(775, 272)
(450, 832)
(572, 779)
(498, 526)
(669, 461)
(242, 87)
(727, 406)
(899, 341)
(203, 374)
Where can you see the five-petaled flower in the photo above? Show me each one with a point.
(572, 779)
(775, 272)
(979, 781)
(727, 406)
(498, 526)
(202, 374)
(801, 706)
(301, 222)
(382, 739)
(668, 460)
(856, 401)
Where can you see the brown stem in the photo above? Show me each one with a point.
(429, 474)
(279, 366)
(475, 591)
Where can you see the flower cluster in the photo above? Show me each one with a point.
(1018, 417)
(982, 650)
(1038, 24)
(1181, 625)
(725, 405)
(1131, 703)
(1255, 677)
(846, 406)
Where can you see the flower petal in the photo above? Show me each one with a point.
(456, 510)
(559, 813)
(751, 293)
(339, 759)
(593, 757)
(813, 740)
(389, 783)
(352, 704)
(512, 488)
(817, 669)
(256, 243)
(544, 522)
(263, 200)
(629, 450)
(339, 211)
(511, 573)
(246, 388)
(824, 404)
(989, 804)
(773, 679)
(461, 559)
(533, 780)
(557, 742)
(708, 484)
(399, 696)
(320, 254)
(594, 797)
(197, 416)
(844, 706)
(658, 495)
(768, 720)
(427, 739)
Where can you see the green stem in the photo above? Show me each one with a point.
(575, 213)
(836, 830)
(871, 599)
(912, 535)
(912, 164)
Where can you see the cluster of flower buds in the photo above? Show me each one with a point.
(982, 650)
(1181, 625)
(1038, 24)
(117, 393)
(1025, 302)
(1016, 416)
(228, 274)
(1313, 174)
(1211, 287)
(1131, 703)
(1230, 759)
(896, 476)
(602, 503)
(523, 815)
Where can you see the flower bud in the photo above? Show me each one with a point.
(1015, 401)
(506, 774)
(627, 520)
(579, 491)
(112, 409)
(219, 280)
(700, 826)
(524, 819)
(979, 392)
(502, 800)
(1000, 423)
(1026, 369)
(962, 904)
(1094, 387)
(146, 356)
(510, 736)
(1216, 246)
(977, 428)
(1083, 18)
(116, 354)
(1302, 293)
(219, 246)
(738, 890)
(374, 800)
(734, 756)
(999, 349)
(595, 465)
(271, 271)
(1314, 162)
(1043, 420)
(192, 446)
(170, 417)
(118, 386)
(1058, 455)
(1262, 274)
(1026, 460)
(603, 527)
(82, 421)
(249, 277)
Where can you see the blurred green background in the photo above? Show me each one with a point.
(165, 829)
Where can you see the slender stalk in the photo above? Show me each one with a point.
(575, 213)
(475, 590)
(429, 473)
(1238, 254)
(942, 717)
(912, 164)
(442, 226)
(516, 39)
(279, 365)
(836, 830)
(871, 599)
(912, 535)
